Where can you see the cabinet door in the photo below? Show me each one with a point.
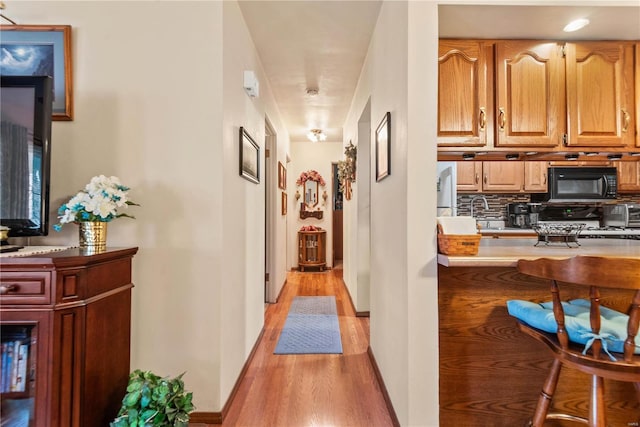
(535, 177)
(530, 94)
(502, 176)
(464, 112)
(468, 177)
(637, 92)
(600, 94)
(628, 176)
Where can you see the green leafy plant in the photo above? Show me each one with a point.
(154, 401)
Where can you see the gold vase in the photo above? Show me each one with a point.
(93, 235)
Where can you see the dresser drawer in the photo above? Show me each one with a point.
(25, 288)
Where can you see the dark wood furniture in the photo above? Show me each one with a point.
(76, 310)
(312, 249)
(593, 274)
(489, 371)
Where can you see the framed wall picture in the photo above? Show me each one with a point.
(284, 203)
(41, 50)
(383, 148)
(282, 176)
(249, 157)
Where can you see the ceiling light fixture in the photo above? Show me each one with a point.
(468, 156)
(571, 156)
(316, 135)
(512, 156)
(614, 156)
(312, 91)
(576, 25)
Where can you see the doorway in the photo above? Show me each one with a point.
(270, 168)
(336, 210)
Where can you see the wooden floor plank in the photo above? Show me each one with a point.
(311, 390)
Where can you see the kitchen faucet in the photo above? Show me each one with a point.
(474, 198)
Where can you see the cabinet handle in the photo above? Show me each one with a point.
(625, 120)
(5, 289)
(502, 119)
(485, 179)
(483, 118)
(477, 178)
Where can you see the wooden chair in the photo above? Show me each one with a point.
(594, 273)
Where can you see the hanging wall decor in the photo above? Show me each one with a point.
(383, 148)
(347, 170)
(249, 157)
(37, 50)
(310, 181)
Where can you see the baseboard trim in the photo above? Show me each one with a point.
(383, 388)
(218, 417)
(205, 418)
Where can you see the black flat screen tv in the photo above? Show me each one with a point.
(25, 154)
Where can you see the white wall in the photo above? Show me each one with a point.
(404, 325)
(306, 155)
(158, 102)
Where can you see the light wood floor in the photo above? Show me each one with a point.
(311, 390)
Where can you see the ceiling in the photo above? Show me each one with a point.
(313, 44)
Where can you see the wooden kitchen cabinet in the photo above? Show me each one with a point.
(469, 177)
(637, 94)
(535, 176)
(465, 88)
(502, 177)
(549, 95)
(72, 312)
(600, 94)
(530, 106)
(628, 177)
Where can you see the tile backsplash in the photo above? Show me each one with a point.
(498, 203)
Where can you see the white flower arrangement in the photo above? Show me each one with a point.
(98, 202)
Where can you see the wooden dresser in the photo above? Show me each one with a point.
(67, 317)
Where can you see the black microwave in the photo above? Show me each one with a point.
(580, 185)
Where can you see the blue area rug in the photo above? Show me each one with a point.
(311, 327)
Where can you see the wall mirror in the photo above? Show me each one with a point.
(311, 194)
(310, 206)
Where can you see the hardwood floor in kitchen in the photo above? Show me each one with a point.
(311, 390)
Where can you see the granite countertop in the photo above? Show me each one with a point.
(507, 252)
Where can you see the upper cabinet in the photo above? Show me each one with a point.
(600, 96)
(469, 177)
(549, 96)
(530, 107)
(501, 177)
(637, 93)
(628, 177)
(465, 116)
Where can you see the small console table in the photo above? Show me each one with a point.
(311, 249)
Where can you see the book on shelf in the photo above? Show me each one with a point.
(15, 359)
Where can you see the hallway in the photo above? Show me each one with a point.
(311, 390)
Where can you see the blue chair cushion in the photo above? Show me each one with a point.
(613, 326)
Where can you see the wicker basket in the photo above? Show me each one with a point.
(458, 244)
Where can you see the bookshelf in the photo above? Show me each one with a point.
(59, 310)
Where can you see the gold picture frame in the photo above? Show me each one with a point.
(284, 203)
(26, 47)
(282, 176)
